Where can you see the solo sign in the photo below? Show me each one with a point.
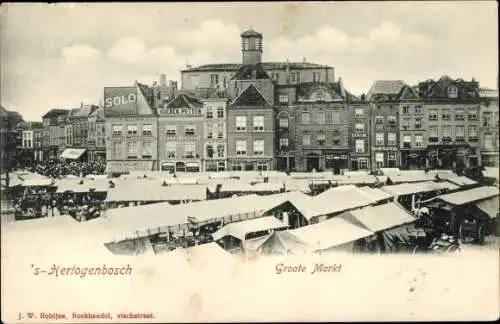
(120, 100)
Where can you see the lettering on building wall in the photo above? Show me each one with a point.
(120, 100)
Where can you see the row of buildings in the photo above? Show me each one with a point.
(285, 116)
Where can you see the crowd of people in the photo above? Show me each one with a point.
(46, 202)
(56, 169)
(35, 202)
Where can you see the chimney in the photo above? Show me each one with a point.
(304, 60)
(163, 80)
(81, 104)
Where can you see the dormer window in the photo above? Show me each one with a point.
(452, 92)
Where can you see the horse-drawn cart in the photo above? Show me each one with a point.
(467, 215)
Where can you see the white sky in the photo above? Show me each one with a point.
(57, 56)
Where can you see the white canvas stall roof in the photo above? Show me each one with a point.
(443, 174)
(403, 189)
(311, 175)
(342, 198)
(267, 186)
(37, 182)
(297, 185)
(299, 200)
(375, 193)
(129, 222)
(490, 206)
(242, 228)
(72, 154)
(381, 217)
(461, 181)
(75, 186)
(14, 181)
(410, 176)
(236, 186)
(149, 190)
(469, 196)
(491, 172)
(356, 173)
(163, 214)
(96, 176)
(219, 208)
(277, 241)
(329, 233)
(182, 180)
(26, 175)
(346, 179)
(386, 171)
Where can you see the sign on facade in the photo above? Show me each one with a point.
(120, 100)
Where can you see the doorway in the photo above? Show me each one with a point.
(312, 163)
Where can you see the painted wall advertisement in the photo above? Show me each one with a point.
(120, 100)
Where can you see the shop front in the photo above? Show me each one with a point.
(250, 164)
(215, 165)
(490, 159)
(449, 157)
(336, 160)
(413, 159)
(121, 167)
(180, 166)
(285, 162)
(360, 162)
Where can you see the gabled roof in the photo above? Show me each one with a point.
(388, 88)
(184, 101)
(55, 113)
(251, 96)
(251, 33)
(332, 91)
(98, 113)
(250, 72)
(431, 89)
(148, 94)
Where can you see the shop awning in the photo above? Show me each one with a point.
(72, 154)
(241, 229)
(490, 206)
(192, 165)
